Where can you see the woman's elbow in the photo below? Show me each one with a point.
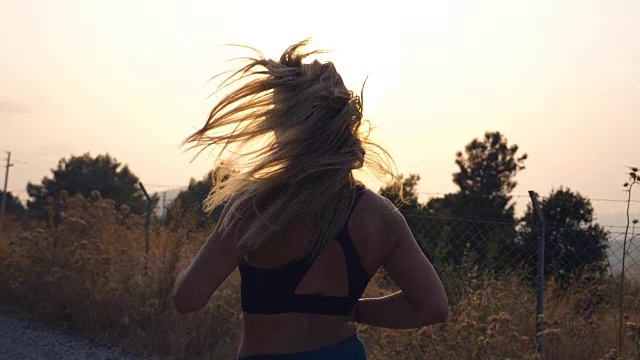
(441, 315)
(185, 304)
(181, 307)
(436, 313)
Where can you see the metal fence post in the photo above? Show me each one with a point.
(147, 223)
(540, 277)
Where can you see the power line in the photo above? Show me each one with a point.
(614, 226)
(520, 196)
(32, 165)
(167, 186)
(615, 200)
(26, 163)
(429, 194)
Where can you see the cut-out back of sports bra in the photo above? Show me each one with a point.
(274, 290)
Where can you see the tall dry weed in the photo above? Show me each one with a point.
(94, 281)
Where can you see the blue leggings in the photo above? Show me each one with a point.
(351, 348)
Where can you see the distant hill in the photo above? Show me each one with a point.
(615, 219)
(170, 195)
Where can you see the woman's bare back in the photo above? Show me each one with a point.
(295, 332)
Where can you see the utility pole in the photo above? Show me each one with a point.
(164, 207)
(4, 192)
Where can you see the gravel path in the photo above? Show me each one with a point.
(20, 339)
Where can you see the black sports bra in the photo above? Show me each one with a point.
(272, 290)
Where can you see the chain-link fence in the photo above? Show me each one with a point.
(466, 250)
(615, 252)
(459, 247)
(462, 246)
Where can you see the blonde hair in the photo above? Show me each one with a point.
(292, 130)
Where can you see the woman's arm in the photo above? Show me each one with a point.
(396, 312)
(217, 258)
(422, 300)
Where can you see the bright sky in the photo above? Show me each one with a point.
(559, 78)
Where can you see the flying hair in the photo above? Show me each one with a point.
(290, 136)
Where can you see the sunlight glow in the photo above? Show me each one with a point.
(560, 79)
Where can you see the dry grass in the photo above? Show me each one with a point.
(94, 280)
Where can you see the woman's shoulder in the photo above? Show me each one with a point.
(373, 215)
(376, 204)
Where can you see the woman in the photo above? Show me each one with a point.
(304, 234)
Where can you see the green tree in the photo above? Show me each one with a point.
(409, 203)
(84, 174)
(478, 221)
(485, 178)
(190, 202)
(574, 241)
(13, 206)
